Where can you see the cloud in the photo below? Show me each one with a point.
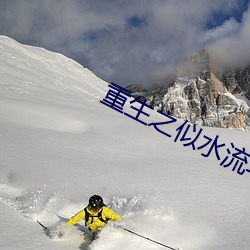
(124, 41)
(228, 28)
(232, 50)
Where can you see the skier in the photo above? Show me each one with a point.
(95, 214)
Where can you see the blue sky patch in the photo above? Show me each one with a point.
(136, 21)
(219, 17)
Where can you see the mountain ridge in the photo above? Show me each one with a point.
(203, 96)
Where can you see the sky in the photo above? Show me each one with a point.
(132, 41)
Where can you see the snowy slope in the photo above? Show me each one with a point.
(59, 145)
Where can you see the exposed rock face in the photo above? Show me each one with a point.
(237, 81)
(136, 89)
(197, 95)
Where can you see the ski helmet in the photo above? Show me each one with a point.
(95, 202)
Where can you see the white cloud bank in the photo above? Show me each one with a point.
(129, 41)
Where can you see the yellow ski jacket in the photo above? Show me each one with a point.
(94, 223)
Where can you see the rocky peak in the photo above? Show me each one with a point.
(202, 97)
(197, 64)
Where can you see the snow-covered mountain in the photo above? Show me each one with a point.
(237, 81)
(59, 145)
(203, 96)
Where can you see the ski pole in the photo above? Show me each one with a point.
(45, 228)
(146, 238)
